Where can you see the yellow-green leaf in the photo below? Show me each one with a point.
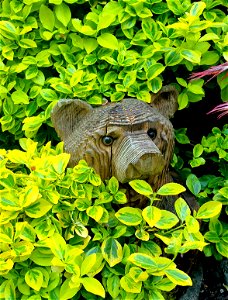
(38, 208)
(151, 215)
(113, 185)
(129, 216)
(209, 209)
(20, 97)
(22, 248)
(57, 244)
(27, 43)
(7, 233)
(93, 286)
(81, 230)
(18, 157)
(165, 285)
(67, 291)
(59, 162)
(6, 216)
(94, 179)
(9, 200)
(113, 286)
(141, 187)
(164, 263)
(138, 274)
(222, 248)
(47, 17)
(9, 292)
(170, 189)
(191, 55)
(167, 220)
(5, 266)
(27, 232)
(156, 295)
(142, 235)
(30, 196)
(192, 245)
(182, 209)
(112, 251)
(76, 77)
(88, 264)
(8, 30)
(34, 278)
(108, 40)
(42, 256)
(95, 212)
(63, 13)
(129, 285)
(178, 277)
(192, 224)
(143, 261)
(197, 8)
(155, 70)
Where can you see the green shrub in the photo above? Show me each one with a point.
(66, 235)
(213, 152)
(209, 157)
(93, 49)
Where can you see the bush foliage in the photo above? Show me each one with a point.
(65, 234)
(64, 229)
(93, 49)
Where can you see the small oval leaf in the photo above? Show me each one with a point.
(141, 187)
(170, 189)
(178, 277)
(151, 215)
(129, 216)
(193, 184)
(93, 286)
(108, 40)
(209, 210)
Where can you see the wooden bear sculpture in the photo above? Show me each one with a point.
(130, 139)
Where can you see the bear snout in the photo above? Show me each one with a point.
(137, 157)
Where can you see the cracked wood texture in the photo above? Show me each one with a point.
(129, 139)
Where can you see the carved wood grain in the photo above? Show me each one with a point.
(133, 153)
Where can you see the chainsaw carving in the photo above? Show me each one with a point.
(129, 139)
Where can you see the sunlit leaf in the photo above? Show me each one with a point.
(93, 286)
(141, 187)
(151, 215)
(34, 278)
(209, 209)
(178, 277)
(129, 216)
(170, 189)
(112, 251)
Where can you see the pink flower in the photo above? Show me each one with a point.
(213, 72)
(223, 108)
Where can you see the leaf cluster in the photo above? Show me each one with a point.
(210, 155)
(94, 49)
(62, 236)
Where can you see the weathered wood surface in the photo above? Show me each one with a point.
(129, 139)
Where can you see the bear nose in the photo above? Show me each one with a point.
(149, 164)
(137, 157)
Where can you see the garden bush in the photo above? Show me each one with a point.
(62, 227)
(94, 49)
(65, 234)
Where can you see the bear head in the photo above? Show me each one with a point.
(130, 139)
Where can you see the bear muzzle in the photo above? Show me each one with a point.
(137, 157)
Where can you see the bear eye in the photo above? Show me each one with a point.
(152, 132)
(107, 140)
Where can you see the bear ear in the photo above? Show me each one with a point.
(165, 101)
(66, 114)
